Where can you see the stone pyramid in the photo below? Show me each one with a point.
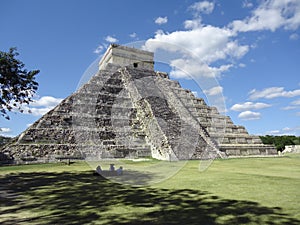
(127, 110)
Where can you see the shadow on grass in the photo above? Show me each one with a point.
(81, 198)
(137, 178)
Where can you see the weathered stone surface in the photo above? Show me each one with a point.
(133, 111)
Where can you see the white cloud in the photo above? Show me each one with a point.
(249, 115)
(195, 93)
(161, 20)
(298, 114)
(111, 39)
(296, 102)
(200, 47)
(198, 8)
(271, 15)
(39, 111)
(203, 7)
(99, 49)
(274, 132)
(242, 65)
(292, 130)
(294, 105)
(133, 35)
(273, 92)
(214, 91)
(247, 4)
(285, 131)
(289, 107)
(5, 130)
(294, 37)
(192, 24)
(191, 68)
(47, 101)
(41, 106)
(249, 106)
(208, 43)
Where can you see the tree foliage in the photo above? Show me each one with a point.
(17, 85)
(4, 140)
(280, 141)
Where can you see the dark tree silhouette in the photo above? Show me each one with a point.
(17, 85)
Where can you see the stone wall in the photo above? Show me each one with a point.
(291, 149)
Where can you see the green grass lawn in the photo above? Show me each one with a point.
(232, 191)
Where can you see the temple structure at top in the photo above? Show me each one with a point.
(121, 56)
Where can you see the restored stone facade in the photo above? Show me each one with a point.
(129, 110)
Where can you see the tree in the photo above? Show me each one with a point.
(280, 141)
(4, 140)
(17, 85)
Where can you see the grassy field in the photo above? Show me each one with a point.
(232, 191)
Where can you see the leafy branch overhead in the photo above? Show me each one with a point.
(17, 84)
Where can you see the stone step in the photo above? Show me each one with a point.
(240, 140)
(85, 97)
(85, 123)
(223, 127)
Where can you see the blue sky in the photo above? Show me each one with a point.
(245, 53)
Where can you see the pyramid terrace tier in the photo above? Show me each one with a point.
(99, 118)
(240, 150)
(73, 136)
(230, 139)
(50, 152)
(220, 128)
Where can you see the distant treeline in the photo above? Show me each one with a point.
(280, 141)
(4, 140)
